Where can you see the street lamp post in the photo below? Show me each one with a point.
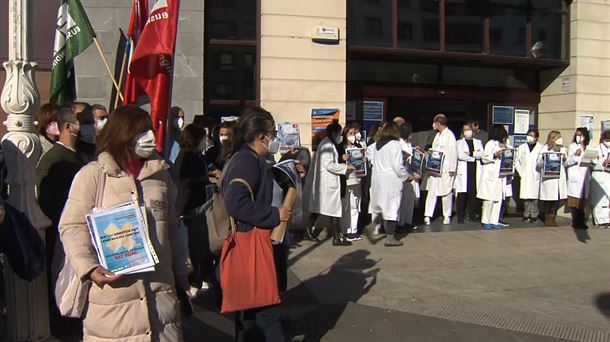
(26, 301)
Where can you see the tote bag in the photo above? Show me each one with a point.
(71, 292)
(247, 268)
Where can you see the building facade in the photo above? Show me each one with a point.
(414, 58)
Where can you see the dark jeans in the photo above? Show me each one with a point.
(578, 219)
(259, 325)
(469, 198)
(335, 224)
(551, 207)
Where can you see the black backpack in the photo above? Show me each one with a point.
(22, 244)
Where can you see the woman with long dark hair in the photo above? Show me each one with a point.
(248, 195)
(492, 187)
(579, 177)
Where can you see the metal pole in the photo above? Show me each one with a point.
(26, 301)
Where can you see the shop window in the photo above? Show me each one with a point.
(418, 24)
(508, 21)
(464, 25)
(370, 22)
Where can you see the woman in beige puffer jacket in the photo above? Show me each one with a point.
(136, 307)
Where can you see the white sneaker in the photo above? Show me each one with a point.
(447, 220)
(426, 221)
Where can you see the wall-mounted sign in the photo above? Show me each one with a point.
(502, 115)
(325, 34)
(566, 84)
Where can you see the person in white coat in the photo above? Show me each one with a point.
(325, 197)
(469, 153)
(600, 184)
(526, 165)
(410, 189)
(442, 185)
(492, 187)
(553, 190)
(389, 174)
(579, 177)
(352, 196)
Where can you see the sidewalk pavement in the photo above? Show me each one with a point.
(535, 284)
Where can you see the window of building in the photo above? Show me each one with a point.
(548, 34)
(418, 24)
(508, 22)
(464, 21)
(231, 74)
(370, 22)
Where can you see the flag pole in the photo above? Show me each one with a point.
(116, 86)
(116, 99)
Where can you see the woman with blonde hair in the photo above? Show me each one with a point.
(553, 189)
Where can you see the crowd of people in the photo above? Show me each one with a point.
(92, 159)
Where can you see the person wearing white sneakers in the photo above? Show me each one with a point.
(492, 187)
(442, 185)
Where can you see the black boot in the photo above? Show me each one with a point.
(310, 236)
(339, 240)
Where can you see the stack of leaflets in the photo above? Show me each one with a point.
(121, 240)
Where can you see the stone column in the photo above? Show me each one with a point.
(26, 301)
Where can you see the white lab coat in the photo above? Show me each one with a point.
(387, 179)
(600, 188)
(526, 164)
(326, 190)
(553, 189)
(491, 186)
(579, 176)
(461, 179)
(442, 186)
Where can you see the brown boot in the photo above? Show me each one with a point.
(547, 220)
(551, 221)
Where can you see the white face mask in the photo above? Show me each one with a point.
(74, 129)
(87, 134)
(358, 136)
(559, 141)
(53, 129)
(579, 139)
(530, 139)
(351, 139)
(338, 139)
(179, 123)
(101, 123)
(145, 144)
(468, 134)
(434, 126)
(274, 145)
(224, 139)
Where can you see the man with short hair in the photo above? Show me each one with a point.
(54, 175)
(85, 145)
(479, 133)
(442, 185)
(100, 115)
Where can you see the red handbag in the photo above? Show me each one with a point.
(247, 269)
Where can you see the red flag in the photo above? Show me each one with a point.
(152, 63)
(139, 16)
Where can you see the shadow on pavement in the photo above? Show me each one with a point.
(348, 279)
(582, 235)
(603, 303)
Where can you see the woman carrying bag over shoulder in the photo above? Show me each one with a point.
(247, 268)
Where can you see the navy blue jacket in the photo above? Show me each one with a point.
(247, 165)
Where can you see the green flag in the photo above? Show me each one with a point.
(72, 36)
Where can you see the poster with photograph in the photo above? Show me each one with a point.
(417, 162)
(434, 162)
(507, 162)
(522, 121)
(552, 164)
(320, 118)
(289, 136)
(356, 159)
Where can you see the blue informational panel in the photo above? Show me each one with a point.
(519, 140)
(502, 115)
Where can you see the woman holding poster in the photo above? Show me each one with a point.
(492, 187)
(553, 186)
(140, 306)
(600, 185)
(526, 165)
(579, 176)
(353, 192)
(469, 152)
(389, 173)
